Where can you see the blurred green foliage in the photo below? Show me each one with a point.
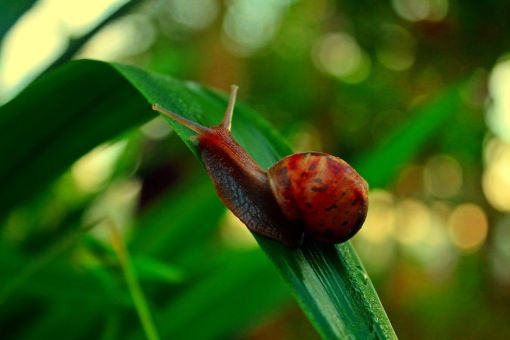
(388, 86)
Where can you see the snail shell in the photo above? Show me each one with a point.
(322, 191)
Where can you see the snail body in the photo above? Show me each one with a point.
(308, 193)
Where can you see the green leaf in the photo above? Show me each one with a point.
(84, 103)
(58, 118)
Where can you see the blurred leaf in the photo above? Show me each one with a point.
(149, 268)
(10, 12)
(52, 280)
(164, 228)
(35, 264)
(50, 294)
(131, 277)
(381, 164)
(56, 322)
(93, 101)
(75, 44)
(234, 294)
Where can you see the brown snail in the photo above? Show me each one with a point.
(308, 193)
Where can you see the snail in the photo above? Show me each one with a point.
(310, 194)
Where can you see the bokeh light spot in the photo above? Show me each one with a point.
(340, 55)
(413, 222)
(193, 14)
(443, 176)
(128, 36)
(250, 25)
(396, 51)
(496, 176)
(115, 205)
(156, 128)
(498, 118)
(380, 221)
(92, 170)
(41, 34)
(468, 227)
(305, 137)
(375, 242)
(417, 10)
